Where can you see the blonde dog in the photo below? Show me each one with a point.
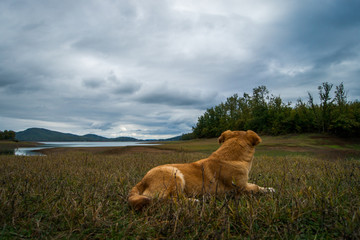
(224, 170)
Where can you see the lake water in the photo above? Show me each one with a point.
(30, 151)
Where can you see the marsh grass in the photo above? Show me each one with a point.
(84, 196)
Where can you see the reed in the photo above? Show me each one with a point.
(84, 196)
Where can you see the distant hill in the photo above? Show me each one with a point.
(94, 137)
(177, 138)
(124, 139)
(45, 135)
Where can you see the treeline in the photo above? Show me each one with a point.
(7, 135)
(269, 114)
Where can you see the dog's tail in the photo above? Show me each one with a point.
(135, 199)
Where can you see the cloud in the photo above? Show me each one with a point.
(102, 125)
(123, 86)
(150, 70)
(127, 88)
(112, 84)
(164, 95)
(92, 83)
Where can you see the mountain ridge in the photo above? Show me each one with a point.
(46, 135)
(42, 134)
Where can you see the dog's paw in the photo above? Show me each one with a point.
(267, 189)
(270, 189)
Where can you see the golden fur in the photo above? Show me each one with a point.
(224, 170)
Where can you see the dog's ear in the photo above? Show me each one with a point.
(224, 136)
(253, 138)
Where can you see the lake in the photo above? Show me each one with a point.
(30, 151)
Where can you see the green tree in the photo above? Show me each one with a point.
(279, 116)
(340, 96)
(268, 114)
(325, 105)
(7, 135)
(259, 109)
(303, 117)
(343, 120)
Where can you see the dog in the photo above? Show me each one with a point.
(224, 170)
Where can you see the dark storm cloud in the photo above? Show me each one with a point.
(6, 79)
(92, 83)
(112, 84)
(142, 69)
(173, 97)
(127, 88)
(123, 86)
(102, 125)
(21, 80)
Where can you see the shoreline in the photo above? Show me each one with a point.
(104, 150)
(8, 147)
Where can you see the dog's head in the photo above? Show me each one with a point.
(250, 136)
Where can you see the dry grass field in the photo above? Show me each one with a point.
(82, 194)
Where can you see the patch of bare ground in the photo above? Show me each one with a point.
(8, 147)
(341, 141)
(322, 152)
(13, 144)
(333, 154)
(335, 147)
(325, 147)
(289, 148)
(105, 150)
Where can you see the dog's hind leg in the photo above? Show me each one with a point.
(136, 199)
(164, 182)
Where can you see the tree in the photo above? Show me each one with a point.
(343, 120)
(259, 109)
(7, 135)
(303, 117)
(340, 96)
(268, 114)
(325, 105)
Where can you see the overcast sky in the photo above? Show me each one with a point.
(149, 69)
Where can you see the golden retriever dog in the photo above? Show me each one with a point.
(224, 170)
